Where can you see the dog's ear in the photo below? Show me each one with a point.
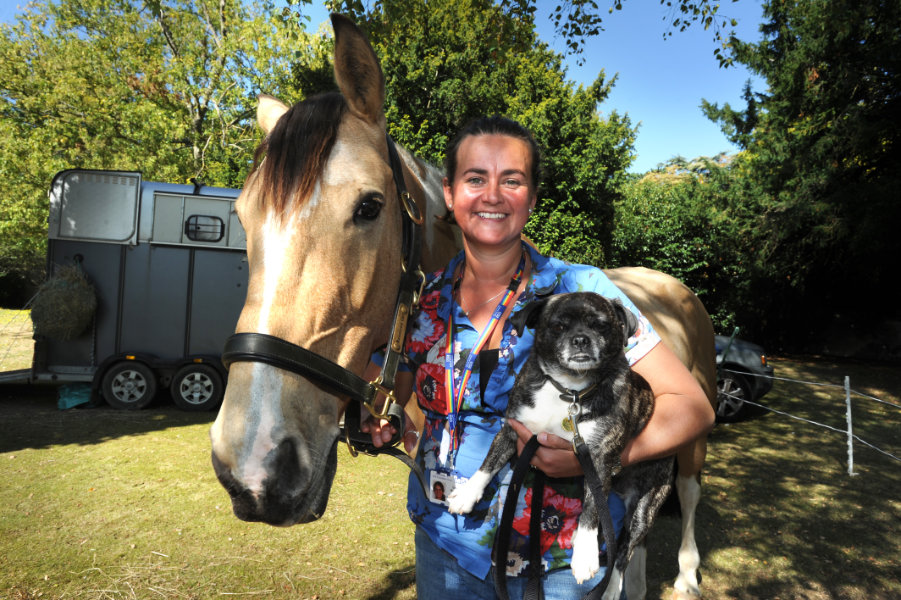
(528, 315)
(626, 317)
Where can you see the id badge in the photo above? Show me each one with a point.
(440, 486)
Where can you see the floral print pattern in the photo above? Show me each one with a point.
(470, 537)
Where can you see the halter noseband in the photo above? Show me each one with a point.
(282, 354)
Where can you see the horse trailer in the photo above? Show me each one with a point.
(168, 267)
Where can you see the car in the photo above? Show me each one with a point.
(743, 375)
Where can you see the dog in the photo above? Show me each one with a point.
(579, 347)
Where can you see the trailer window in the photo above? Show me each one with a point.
(204, 228)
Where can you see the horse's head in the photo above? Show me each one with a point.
(323, 229)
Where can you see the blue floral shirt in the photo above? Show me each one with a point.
(469, 537)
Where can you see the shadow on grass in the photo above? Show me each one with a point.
(30, 419)
(394, 583)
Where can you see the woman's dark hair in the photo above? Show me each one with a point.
(494, 125)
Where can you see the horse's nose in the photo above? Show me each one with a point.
(283, 484)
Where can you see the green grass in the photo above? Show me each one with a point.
(15, 339)
(104, 504)
(97, 503)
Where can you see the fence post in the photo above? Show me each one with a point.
(850, 433)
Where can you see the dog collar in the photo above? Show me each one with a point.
(572, 395)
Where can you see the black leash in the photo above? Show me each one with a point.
(502, 536)
(533, 589)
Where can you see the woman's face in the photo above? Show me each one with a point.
(492, 190)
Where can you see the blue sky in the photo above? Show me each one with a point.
(661, 82)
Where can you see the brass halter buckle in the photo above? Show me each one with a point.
(376, 388)
(390, 398)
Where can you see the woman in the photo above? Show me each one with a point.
(463, 355)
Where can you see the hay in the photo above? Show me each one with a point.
(64, 305)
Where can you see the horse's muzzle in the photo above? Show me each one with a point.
(289, 495)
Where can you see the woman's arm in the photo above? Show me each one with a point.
(681, 414)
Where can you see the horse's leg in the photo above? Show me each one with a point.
(636, 584)
(690, 459)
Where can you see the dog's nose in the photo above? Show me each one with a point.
(579, 341)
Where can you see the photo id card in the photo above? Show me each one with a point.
(440, 487)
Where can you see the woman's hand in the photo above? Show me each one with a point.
(382, 431)
(555, 455)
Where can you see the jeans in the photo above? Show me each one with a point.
(439, 577)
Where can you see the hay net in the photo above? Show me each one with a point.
(63, 307)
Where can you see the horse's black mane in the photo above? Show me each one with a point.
(296, 149)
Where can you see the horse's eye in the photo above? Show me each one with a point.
(368, 209)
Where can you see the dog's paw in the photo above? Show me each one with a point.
(585, 562)
(464, 497)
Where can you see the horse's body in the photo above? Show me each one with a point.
(322, 221)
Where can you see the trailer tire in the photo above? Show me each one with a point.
(129, 385)
(197, 387)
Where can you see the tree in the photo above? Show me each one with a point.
(576, 20)
(823, 156)
(164, 87)
(680, 219)
(440, 75)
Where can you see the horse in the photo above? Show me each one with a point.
(324, 214)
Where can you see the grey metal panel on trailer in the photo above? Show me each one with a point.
(155, 293)
(217, 296)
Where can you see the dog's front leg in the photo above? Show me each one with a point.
(586, 560)
(465, 495)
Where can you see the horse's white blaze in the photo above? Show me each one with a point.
(264, 425)
(342, 166)
(276, 239)
(311, 203)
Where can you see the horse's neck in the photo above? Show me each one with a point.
(441, 241)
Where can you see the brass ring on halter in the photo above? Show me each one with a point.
(411, 207)
(390, 399)
(350, 445)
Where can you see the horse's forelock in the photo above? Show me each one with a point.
(296, 150)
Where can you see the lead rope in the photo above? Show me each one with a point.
(533, 589)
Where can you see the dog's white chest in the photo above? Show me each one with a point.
(548, 414)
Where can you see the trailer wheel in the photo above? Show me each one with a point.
(129, 385)
(197, 387)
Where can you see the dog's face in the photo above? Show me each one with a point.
(577, 332)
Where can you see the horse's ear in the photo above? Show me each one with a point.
(357, 71)
(269, 111)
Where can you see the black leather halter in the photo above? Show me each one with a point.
(282, 354)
